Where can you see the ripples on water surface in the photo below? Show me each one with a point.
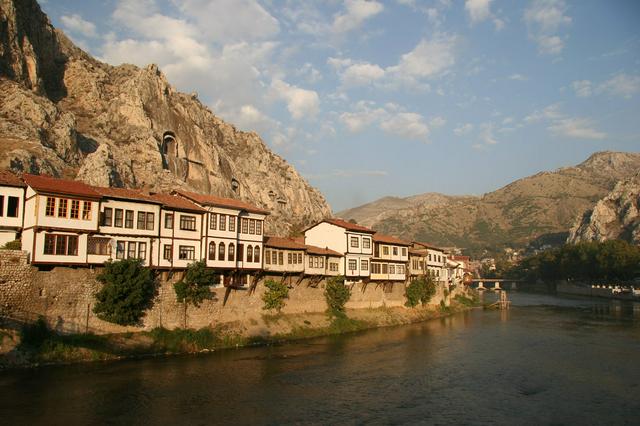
(548, 360)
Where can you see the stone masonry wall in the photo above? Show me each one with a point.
(65, 297)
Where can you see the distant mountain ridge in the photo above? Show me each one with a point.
(544, 205)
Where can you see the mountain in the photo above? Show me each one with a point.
(539, 207)
(67, 114)
(616, 216)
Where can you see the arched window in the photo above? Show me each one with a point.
(169, 144)
(232, 252)
(221, 251)
(249, 253)
(256, 254)
(212, 250)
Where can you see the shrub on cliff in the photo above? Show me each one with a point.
(420, 290)
(194, 287)
(127, 291)
(275, 295)
(337, 295)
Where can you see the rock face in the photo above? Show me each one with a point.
(542, 206)
(616, 216)
(66, 114)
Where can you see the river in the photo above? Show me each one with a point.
(548, 360)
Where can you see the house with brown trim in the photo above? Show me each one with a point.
(284, 255)
(12, 193)
(390, 258)
(428, 259)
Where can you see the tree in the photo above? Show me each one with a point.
(127, 291)
(194, 287)
(420, 290)
(336, 294)
(275, 295)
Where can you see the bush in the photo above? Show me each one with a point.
(12, 245)
(32, 336)
(420, 290)
(275, 295)
(194, 287)
(336, 294)
(128, 290)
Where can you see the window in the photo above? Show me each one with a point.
(375, 268)
(128, 219)
(366, 243)
(49, 243)
(321, 262)
(50, 210)
(213, 221)
(249, 253)
(400, 269)
(267, 257)
(187, 223)
(252, 226)
(232, 252)
(300, 258)
(168, 221)
(1, 205)
(142, 251)
(333, 266)
(86, 210)
(62, 207)
(151, 217)
(120, 250)
(12, 207)
(221, 251)
(404, 251)
(118, 218)
(212, 250)
(232, 223)
(392, 269)
(385, 268)
(131, 252)
(186, 252)
(353, 265)
(75, 209)
(354, 242)
(100, 246)
(167, 253)
(245, 225)
(280, 258)
(107, 216)
(142, 220)
(289, 260)
(385, 250)
(240, 252)
(364, 265)
(258, 227)
(223, 222)
(395, 251)
(256, 254)
(311, 261)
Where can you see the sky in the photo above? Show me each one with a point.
(374, 98)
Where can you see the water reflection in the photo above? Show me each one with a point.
(546, 360)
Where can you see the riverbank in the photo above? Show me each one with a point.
(37, 345)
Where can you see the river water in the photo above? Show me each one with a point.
(548, 360)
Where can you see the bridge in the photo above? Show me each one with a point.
(495, 284)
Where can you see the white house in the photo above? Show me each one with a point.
(284, 255)
(12, 190)
(434, 260)
(353, 241)
(390, 258)
(59, 216)
(322, 261)
(181, 224)
(128, 227)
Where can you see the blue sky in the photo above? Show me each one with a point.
(375, 98)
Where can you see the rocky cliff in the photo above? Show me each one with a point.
(64, 113)
(616, 216)
(542, 206)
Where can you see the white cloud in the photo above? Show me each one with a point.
(429, 59)
(623, 85)
(407, 125)
(463, 129)
(356, 12)
(75, 24)
(300, 102)
(436, 122)
(552, 112)
(365, 115)
(583, 88)
(361, 74)
(391, 118)
(478, 10)
(544, 18)
(578, 128)
(486, 134)
(518, 77)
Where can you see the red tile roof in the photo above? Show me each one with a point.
(212, 200)
(51, 185)
(346, 225)
(388, 239)
(322, 251)
(283, 243)
(125, 194)
(9, 179)
(176, 202)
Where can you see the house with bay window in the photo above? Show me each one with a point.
(232, 236)
(434, 261)
(12, 190)
(128, 227)
(390, 258)
(322, 261)
(284, 255)
(352, 241)
(180, 236)
(59, 217)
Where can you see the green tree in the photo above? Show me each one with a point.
(195, 285)
(337, 294)
(127, 291)
(420, 290)
(275, 295)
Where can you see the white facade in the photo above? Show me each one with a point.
(180, 242)
(11, 214)
(284, 260)
(389, 261)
